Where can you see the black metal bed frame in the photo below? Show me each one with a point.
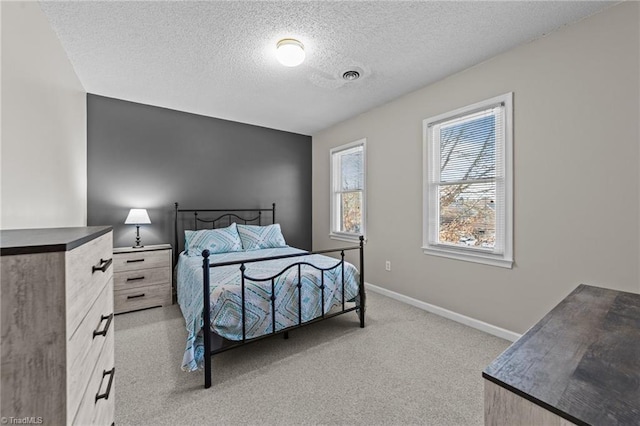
(222, 344)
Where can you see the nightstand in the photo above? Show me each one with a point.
(141, 277)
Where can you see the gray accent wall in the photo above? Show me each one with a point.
(141, 156)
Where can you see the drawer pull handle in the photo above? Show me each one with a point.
(106, 326)
(136, 296)
(135, 260)
(135, 278)
(104, 265)
(111, 373)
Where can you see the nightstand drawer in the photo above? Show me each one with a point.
(141, 278)
(136, 260)
(142, 297)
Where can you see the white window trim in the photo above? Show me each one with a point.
(347, 236)
(504, 260)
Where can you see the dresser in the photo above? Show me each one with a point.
(57, 340)
(580, 364)
(142, 277)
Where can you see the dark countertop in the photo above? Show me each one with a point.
(581, 361)
(46, 240)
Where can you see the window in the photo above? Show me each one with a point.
(348, 198)
(467, 192)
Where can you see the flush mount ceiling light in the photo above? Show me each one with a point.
(290, 52)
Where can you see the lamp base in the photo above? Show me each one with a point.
(138, 245)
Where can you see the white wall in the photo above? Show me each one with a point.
(43, 147)
(576, 166)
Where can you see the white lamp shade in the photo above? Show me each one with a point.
(290, 52)
(137, 217)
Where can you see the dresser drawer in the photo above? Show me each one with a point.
(88, 268)
(141, 278)
(142, 297)
(97, 405)
(134, 261)
(86, 345)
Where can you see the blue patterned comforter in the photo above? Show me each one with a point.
(226, 299)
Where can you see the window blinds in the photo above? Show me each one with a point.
(467, 176)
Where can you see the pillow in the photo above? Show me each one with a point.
(260, 237)
(221, 240)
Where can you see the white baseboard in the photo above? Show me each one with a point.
(471, 322)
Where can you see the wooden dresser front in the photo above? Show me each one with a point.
(57, 326)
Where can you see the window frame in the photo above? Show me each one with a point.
(333, 233)
(504, 188)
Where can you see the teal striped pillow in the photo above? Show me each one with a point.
(221, 240)
(261, 237)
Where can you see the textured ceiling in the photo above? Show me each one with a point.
(217, 58)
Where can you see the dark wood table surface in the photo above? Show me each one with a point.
(581, 361)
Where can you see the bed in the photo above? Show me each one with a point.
(258, 286)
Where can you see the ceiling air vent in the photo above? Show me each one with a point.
(351, 75)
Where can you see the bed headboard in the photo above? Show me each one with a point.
(195, 219)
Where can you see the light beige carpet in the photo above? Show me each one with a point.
(406, 367)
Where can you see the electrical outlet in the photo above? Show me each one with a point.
(387, 265)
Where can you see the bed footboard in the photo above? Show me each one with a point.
(360, 307)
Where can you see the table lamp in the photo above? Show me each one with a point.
(137, 217)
